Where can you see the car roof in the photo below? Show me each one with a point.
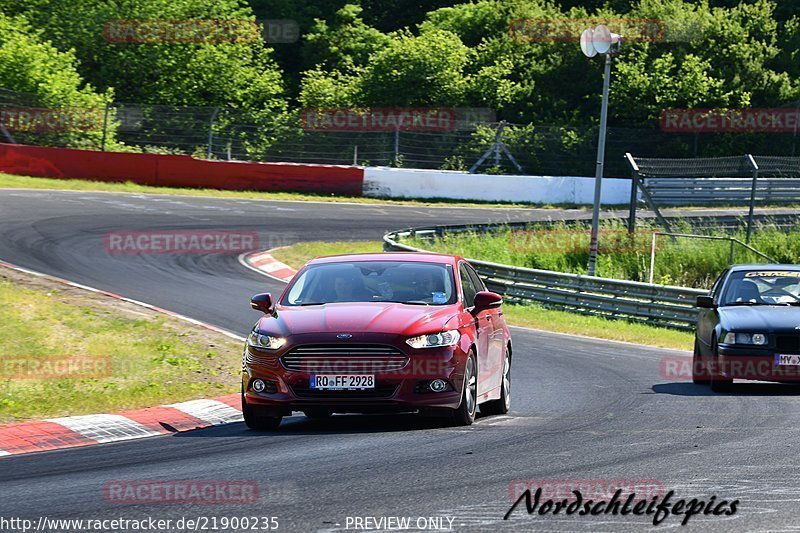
(764, 266)
(422, 257)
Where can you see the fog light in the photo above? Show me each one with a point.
(259, 385)
(438, 385)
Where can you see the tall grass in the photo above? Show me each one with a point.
(564, 248)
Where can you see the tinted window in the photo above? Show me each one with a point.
(373, 281)
(467, 286)
(762, 287)
(477, 282)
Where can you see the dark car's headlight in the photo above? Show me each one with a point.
(758, 339)
(264, 342)
(435, 340)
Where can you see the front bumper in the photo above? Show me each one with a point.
(401, 390)
(752, 363)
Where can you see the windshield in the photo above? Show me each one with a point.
(763, 287)
(412, 283)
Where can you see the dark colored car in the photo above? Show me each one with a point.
(749, 326)
(385, 332)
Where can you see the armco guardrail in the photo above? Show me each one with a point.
(660, 305)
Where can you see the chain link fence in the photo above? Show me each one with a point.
(230, 134)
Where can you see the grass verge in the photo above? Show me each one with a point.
(531, 316)
(686, 262)
(67, 351)
(26, 182)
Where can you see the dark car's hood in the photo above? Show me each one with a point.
(391, 318)
(760, 318)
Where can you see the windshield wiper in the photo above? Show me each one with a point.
(311, 303)
(409, 302)
(743, 303)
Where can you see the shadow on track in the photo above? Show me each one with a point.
(742, 388)
(335, 425)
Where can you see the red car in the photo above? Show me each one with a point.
(378, 332)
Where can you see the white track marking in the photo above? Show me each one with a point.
(210, 411)
(105, 427)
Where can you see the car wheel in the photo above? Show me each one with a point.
(317, 414)
(718, 383)
(502, 405)
(464, 415)
(257, 421)
(699, 370)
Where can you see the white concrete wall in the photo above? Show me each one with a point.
(415, 183)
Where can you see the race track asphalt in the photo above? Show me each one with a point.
(585, 411)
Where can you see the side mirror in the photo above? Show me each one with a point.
(705, 302)
(487, 300)
(262, 302)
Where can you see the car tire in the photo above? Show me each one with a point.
(317, 414)
(699, 370)
(718, 384)
(464, 415)
(502, 405)
(257, 421)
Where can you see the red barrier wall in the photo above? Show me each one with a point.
(179, 170)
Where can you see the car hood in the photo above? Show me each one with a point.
(767, 318)
(353, 318)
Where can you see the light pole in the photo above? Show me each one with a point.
(602, 41)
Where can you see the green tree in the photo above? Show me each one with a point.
(229, 72)
(345, 43)
(29, 64)
(424, 70)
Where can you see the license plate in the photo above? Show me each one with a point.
(342, 381)
(787, 360)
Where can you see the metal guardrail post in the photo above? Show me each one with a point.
(105, 129)
(211, 130)
(634, 190)
(754, 165)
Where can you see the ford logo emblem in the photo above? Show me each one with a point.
(344, 336)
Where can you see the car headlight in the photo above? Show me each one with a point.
(264, 342)
(758, 339)
(435, 340)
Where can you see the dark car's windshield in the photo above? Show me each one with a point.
(413, 283)
(763, 287)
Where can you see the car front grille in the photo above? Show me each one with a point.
(789, 344)
(344, 359)
(266, 360)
